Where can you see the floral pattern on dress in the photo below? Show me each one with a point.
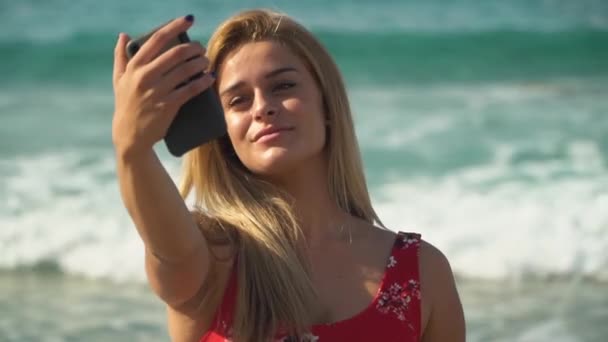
(397, 299)
(396, 305)
(406, 241)
(391, 262)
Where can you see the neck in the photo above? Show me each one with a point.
(321, 220)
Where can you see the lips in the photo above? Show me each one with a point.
(270, 130)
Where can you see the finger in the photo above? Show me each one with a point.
(161, 38)
(175, 56)
(184, 73)
(120, 57)
(182, 95)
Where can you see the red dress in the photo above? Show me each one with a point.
(393, 315)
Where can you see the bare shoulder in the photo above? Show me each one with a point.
(442, 313)
(434, 265)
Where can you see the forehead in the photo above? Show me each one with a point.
(257, 58)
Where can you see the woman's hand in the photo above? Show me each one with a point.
(145, 87)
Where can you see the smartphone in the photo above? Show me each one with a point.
(198, 121)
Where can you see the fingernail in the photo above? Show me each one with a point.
(189, 18)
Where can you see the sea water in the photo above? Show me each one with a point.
(483, 126)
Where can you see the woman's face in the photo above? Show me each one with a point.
(273, 108)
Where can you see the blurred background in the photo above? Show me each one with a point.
(483, 125)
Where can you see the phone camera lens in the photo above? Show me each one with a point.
(133, 48)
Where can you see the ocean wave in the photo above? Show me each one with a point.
(490, 224)
(509, 221)
(85, 58)
(54, 20)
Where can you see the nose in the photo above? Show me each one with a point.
(263, 107)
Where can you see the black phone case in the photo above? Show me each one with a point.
(199, 120)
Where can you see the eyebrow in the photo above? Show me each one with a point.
(268, 75)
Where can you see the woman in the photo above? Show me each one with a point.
(283, 244)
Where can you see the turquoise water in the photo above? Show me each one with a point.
(483, 125)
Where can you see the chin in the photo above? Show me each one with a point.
(277, 161)
(274, 162)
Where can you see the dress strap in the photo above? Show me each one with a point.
(400, 293)
(225, 312)
(403, 262)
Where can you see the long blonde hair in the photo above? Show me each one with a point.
(274, 285)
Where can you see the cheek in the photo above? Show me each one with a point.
(307, 110)
(311, 119)
(237, 126)
(310, 113)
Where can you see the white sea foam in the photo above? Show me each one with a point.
(506, 218)
(514, 228)
(62, 210)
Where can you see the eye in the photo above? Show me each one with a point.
(283, 86)
(236, 101)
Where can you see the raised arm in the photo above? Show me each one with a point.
(146, 101)
(177, 256)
